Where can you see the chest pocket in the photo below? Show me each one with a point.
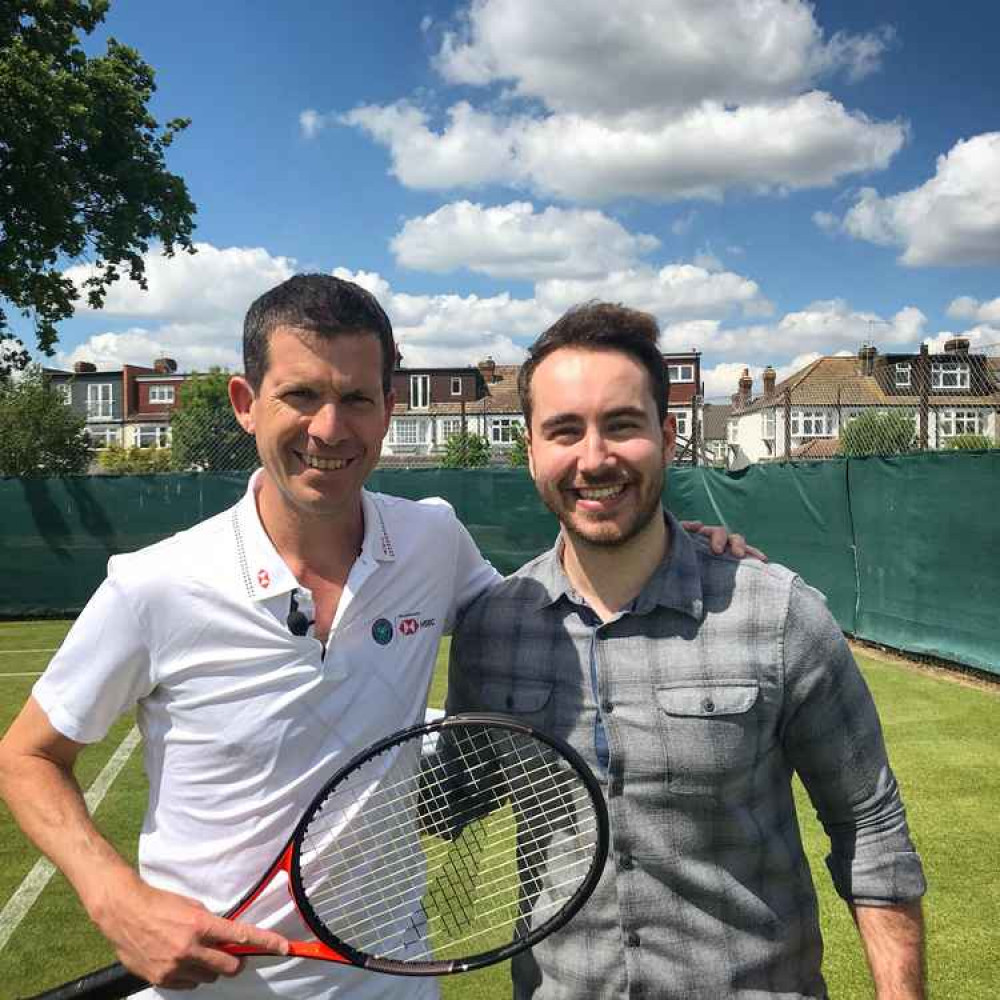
(516, 696)
(709, 733)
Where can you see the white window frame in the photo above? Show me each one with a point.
(769, 424)
(902, 374)
(420, 392)
(152, 436)
(456, 385)
(406, 431)
(953, 422)
(165, 391)
(65, 390)
(680, 372)
(811, 423)
(101, 437)
(100, 400)
(502, 429)
(450, 426)
(949, 375)
(681, 416)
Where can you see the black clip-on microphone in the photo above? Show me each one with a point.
(296, 621)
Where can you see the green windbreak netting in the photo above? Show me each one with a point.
(797, 513)
(500, 507)
(906, 549)
(56, 534)
(928, 529)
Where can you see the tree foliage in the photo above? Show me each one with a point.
(971, 442)
(466, 450)
(205, 434)
(82, 169)
(518, 454)
(877, 434)
(121, 461)
(40, 435)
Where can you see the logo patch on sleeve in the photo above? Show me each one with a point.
(382, 631)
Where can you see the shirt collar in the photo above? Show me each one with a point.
(676, 582)
(265, 574)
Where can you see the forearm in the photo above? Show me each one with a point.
(893, 938)
(49, 806)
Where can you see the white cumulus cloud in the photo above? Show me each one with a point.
(952, 219)
(662, 99)
(966, 307)
(591, 57)
(209, 284)
(516, 241)
(676, 291)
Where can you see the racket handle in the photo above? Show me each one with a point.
(110, 983)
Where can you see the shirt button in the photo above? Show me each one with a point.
(608, 707)
(707, 705)
(625, 861)
(632, 940)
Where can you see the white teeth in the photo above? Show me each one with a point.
(323, 464)
(603, 493)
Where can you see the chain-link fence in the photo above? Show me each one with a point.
(870, 404)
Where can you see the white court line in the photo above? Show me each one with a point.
(12, 651)
(31, 888)
(21, 673)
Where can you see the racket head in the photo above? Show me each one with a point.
(450, 846)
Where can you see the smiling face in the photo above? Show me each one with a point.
(596, 447)
(319, 417)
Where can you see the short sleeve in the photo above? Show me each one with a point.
(473, 574)
(101, 670)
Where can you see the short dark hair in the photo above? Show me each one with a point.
(322, 305)
(601, 326)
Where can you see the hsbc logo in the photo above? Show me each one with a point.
(411, 624)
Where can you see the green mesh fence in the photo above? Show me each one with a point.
(905, 548)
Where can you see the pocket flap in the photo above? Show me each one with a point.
(720, 698)
(516, 695)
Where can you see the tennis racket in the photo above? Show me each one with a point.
(443, 848)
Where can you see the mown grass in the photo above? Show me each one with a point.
(943, 739)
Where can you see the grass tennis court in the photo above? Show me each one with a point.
(943, 736)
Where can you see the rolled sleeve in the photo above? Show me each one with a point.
(833, 739)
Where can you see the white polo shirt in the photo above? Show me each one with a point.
(242, 721)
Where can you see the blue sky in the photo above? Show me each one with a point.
(773, 180)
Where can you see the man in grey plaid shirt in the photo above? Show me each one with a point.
(696, 684)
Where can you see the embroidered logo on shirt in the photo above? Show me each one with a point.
(408, 626)
(264, 578)
(382, 631)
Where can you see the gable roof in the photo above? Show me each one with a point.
(840, 381)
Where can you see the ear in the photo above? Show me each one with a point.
(669, 438)
(390, 405)
(242, 398)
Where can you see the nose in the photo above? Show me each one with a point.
(594, 454)
(327, 423)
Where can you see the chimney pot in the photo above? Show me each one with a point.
(957, 345)
(165, 366)
(770, 376)
(80, 367)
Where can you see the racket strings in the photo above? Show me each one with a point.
(482, 836)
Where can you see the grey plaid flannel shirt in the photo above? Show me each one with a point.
(721, 680)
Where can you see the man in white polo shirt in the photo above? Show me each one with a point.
(259, 649)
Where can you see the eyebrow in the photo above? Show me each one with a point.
(559, 419)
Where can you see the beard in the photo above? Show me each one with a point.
(612, 531)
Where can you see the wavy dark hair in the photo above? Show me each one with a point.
(601, 326)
